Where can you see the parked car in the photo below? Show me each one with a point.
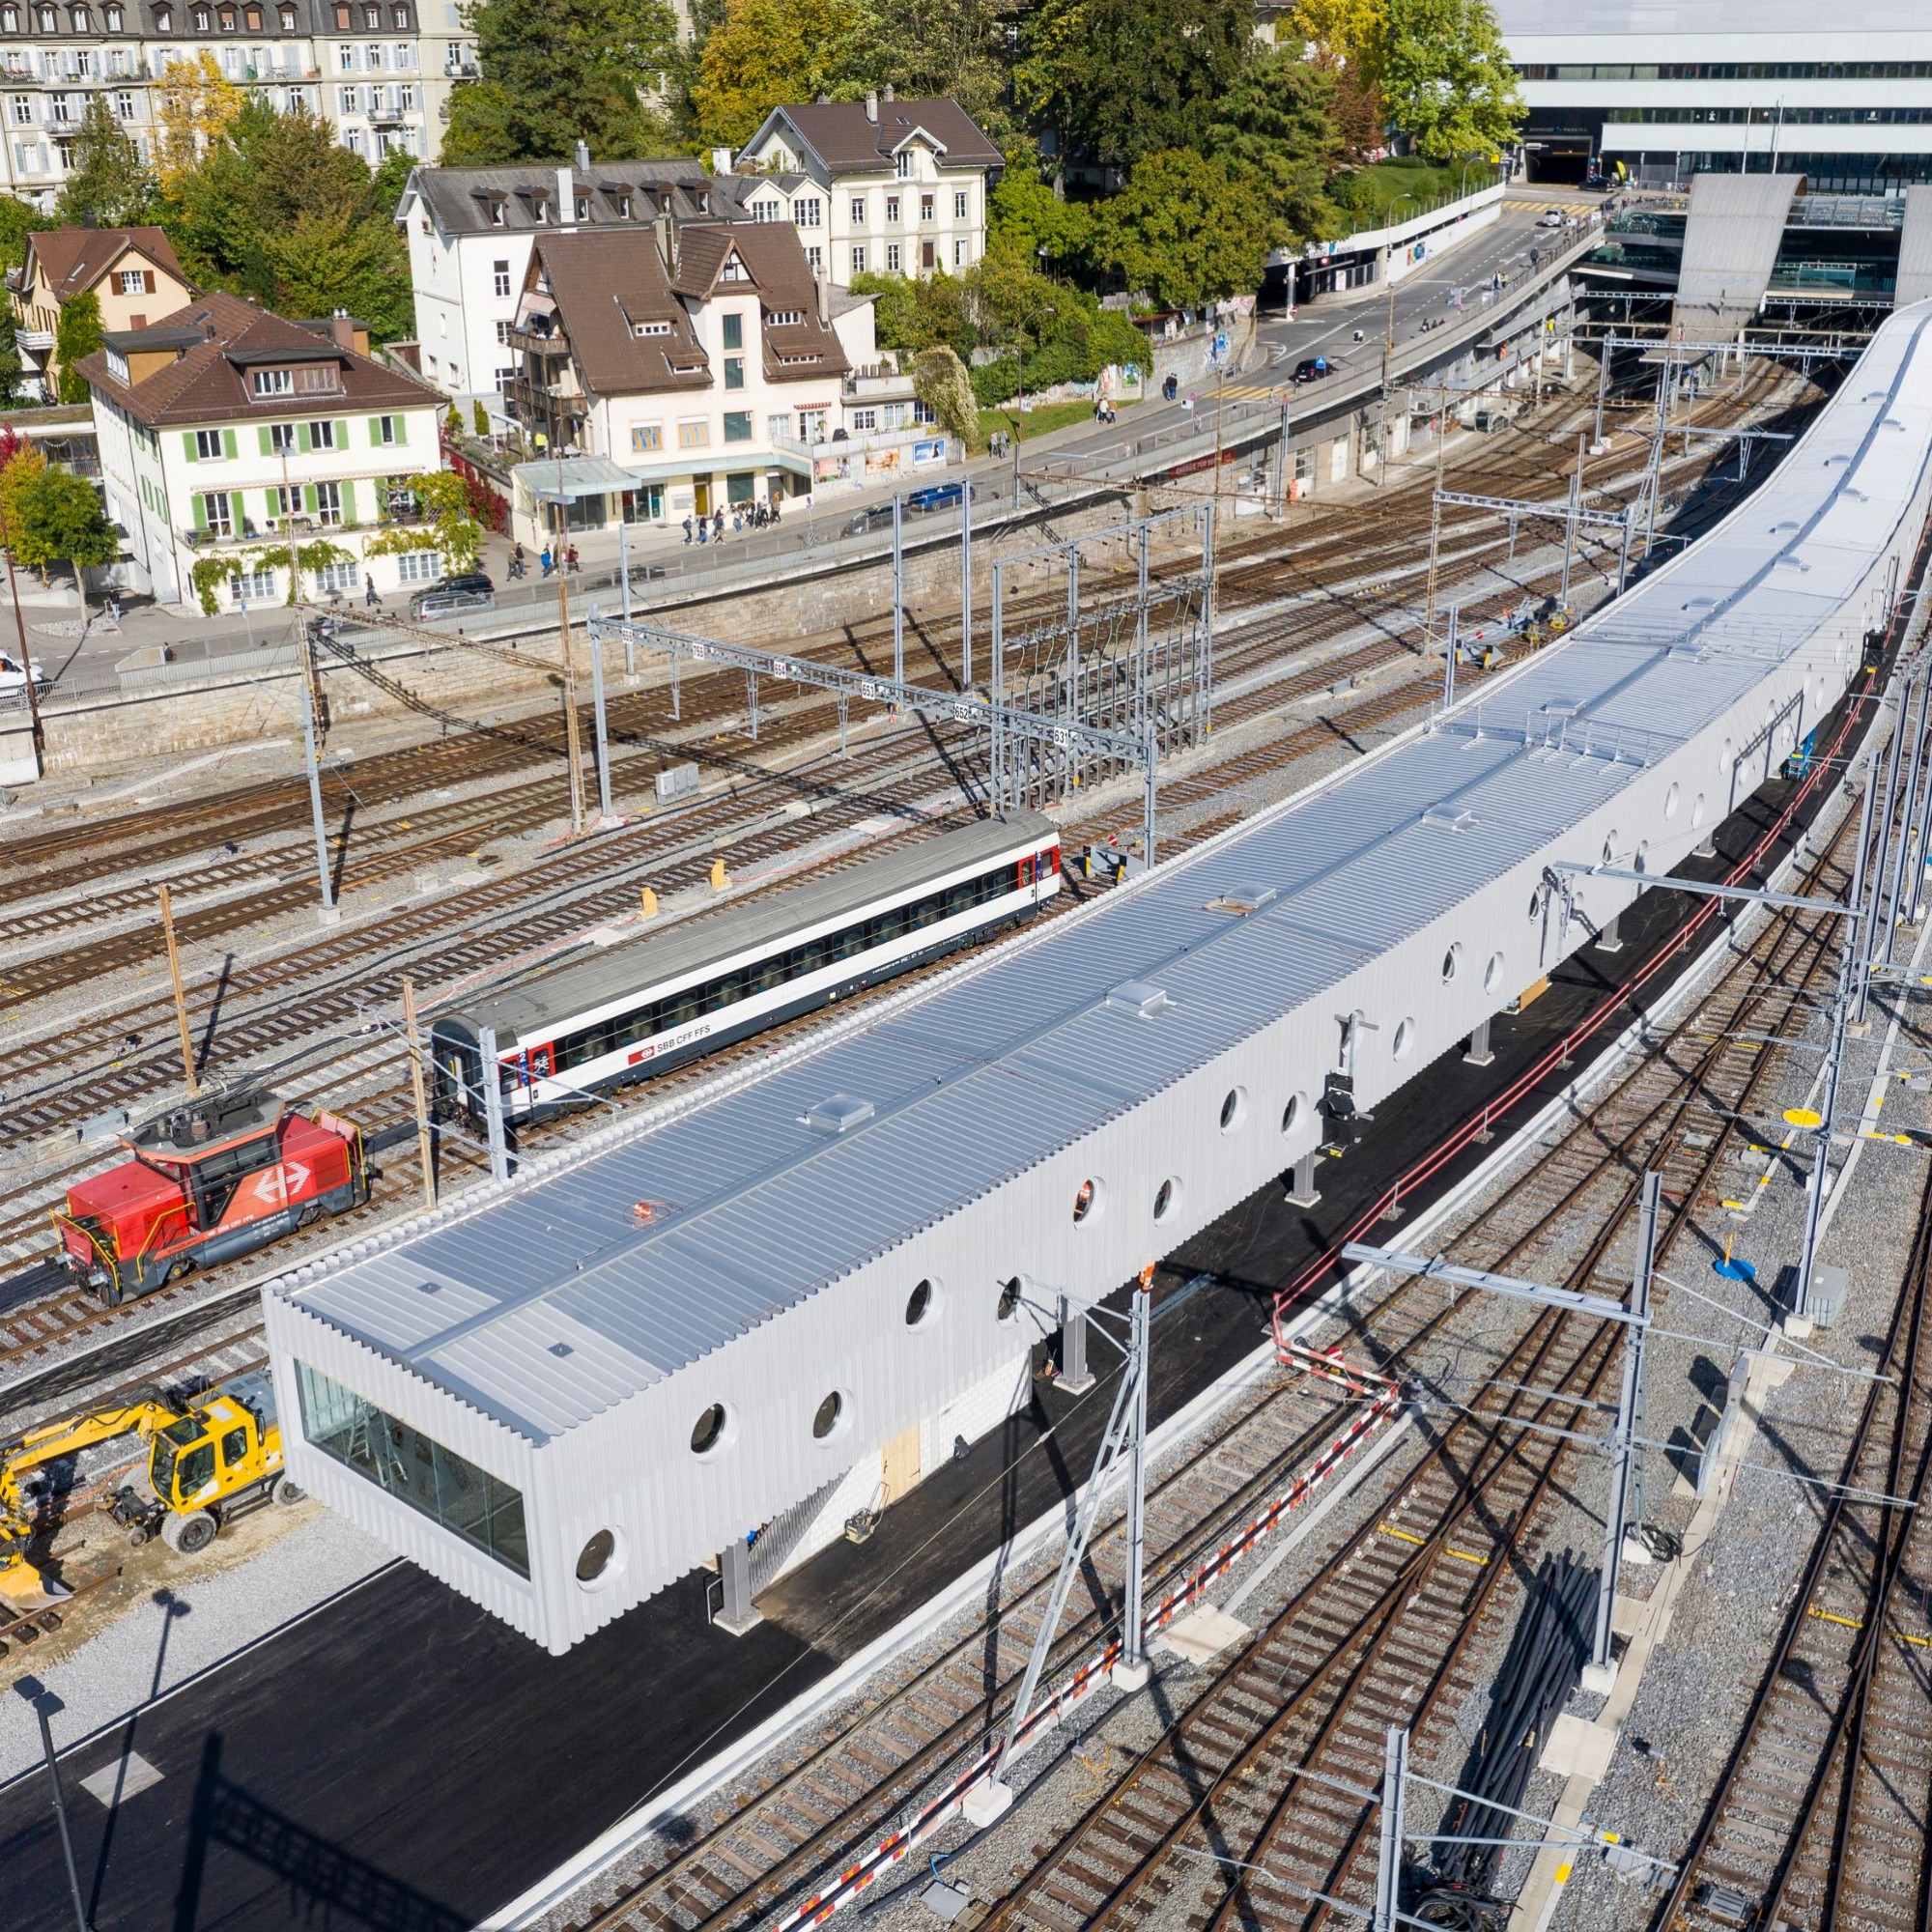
(1553, 218)
(13, 679)
(937, 497)
(470, 590)
(1311, 369)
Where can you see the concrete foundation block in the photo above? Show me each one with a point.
(1134, 1676)
(986, 1804)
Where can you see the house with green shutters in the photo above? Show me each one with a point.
(232, 437)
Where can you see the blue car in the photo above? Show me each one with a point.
(937, 497)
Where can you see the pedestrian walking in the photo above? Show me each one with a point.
(547, 561)
(687, 529)
(570, 559)
(369, 596)
(717, 523)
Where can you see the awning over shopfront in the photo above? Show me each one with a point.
(571, 478)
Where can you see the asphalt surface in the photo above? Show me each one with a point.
(403, 1760)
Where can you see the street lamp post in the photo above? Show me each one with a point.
(47, 1706)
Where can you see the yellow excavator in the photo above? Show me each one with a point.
(209, 1459)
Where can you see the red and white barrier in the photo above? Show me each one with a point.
(1327, 1364)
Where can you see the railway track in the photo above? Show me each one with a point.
(31, 1332)
(1819, 1822)
(1387, 1623)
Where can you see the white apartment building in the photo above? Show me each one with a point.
(470, 232)
(882, 186)
(224, 429)
(374, 69)
(678, 371)
(1773, 87)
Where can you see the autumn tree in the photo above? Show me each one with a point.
(766, 52)
(948, 50)
(554, 72)
(195, 107)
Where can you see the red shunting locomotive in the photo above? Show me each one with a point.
(210, 1178)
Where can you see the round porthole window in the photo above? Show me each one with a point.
(1290, 1114)
(1088, 1197)
(1670, 803)
(1697, 813)
(1233, 1110)
(1165, 1198)
(1725, 760)
(1493, 973)
(1404, 1039)
(1451, 960)
(1536, 903)
(708, 1432)
(1642, 863)
(1610, 850)
(919, 1305)
(830, 1413)
(594, 1560)
(1010, 1299)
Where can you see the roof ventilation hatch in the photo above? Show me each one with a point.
(1451, 817)
(1136, 996)
(1242, 899)
(838, 1114)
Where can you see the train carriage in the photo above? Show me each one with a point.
(603, 1015)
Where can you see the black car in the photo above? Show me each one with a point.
(1311, 369)
(467, 590)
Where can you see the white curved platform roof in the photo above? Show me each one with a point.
(549, 1337)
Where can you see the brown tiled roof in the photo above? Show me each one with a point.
(75, 259)
(774, 258)
(843, 137)
(603, 285)
(207, 385)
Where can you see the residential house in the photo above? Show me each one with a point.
(373, 70)
(224, 431)
(882, 186)
(469, 234)
(677, 370)
(131, 270)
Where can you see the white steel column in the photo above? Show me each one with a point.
(493, 1103)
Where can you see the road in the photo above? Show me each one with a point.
(1324, 327)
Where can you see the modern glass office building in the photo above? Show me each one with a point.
(1701, 86)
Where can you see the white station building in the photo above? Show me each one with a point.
(559, 1404)
(1689, 87)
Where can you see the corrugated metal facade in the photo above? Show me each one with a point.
(569, 1346)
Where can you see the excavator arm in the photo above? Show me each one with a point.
(22, 1586)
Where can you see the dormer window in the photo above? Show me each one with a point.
(703, 201)
(203, 19)
(83, 21)
(117, 365)
(623, 208)
(10, 20)
(164, 20)
(496, 215)
(288, 19)
(49, 20)
(115, 19)
(653, 328)
(372, 18)
(905, 164)
(733, 270)
(784, 318)
(274, 382)
(583, 208)
(228, 20)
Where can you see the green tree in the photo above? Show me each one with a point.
(17, 220)
(392, 178)
(1184, 230)
(11, 371)
(912, 313)
(554, 72)
(448, 527)
(1276, 134)
(1023, 212)
(1447, 80)
(1118, 79)
(766, 52)
(76, 335)
(107, 184)
(325, 262)
(949, 50)
(278, 209)
(56, 517)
